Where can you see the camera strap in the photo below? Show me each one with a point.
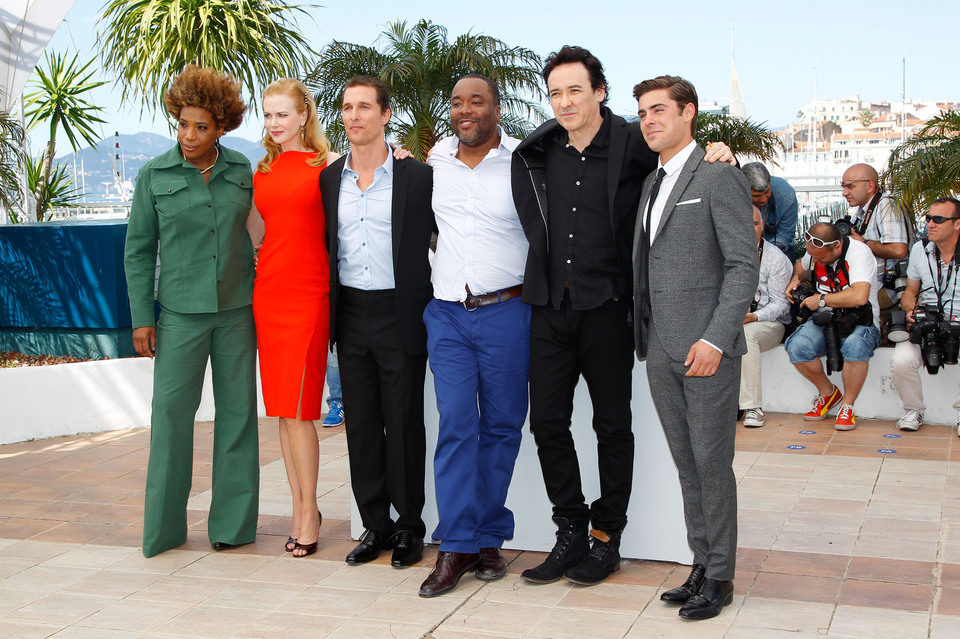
(940, 285)
(823, 273)
(868, 213)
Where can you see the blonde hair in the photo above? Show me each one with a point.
(311, 135)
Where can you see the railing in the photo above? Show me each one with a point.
(91, 211)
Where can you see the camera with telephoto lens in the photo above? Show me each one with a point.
(826, 319)
(938, 338)
(844, 225)
(895, 278)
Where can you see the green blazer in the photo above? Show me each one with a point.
(206, 258)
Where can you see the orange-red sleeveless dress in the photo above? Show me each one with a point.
(291, 305)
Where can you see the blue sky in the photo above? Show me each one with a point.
(855, 47)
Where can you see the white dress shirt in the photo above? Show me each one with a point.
(365, 228)
(480, 243)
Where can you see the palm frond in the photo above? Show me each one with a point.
(420, 65)
(12, 160)
(743, 136)
(926, 166)
(148, 42)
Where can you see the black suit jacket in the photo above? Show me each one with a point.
(413, 223)
(629, 162)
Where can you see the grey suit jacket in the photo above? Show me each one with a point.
(703, 264)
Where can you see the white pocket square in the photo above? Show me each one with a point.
(693, 201)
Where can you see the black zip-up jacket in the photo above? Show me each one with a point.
(629, 162)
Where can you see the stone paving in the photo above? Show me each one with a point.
(836, 539)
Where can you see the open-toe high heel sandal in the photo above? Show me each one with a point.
(308, 548)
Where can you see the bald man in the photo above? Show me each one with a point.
(879, 221)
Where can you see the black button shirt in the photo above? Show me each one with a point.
(583, 251)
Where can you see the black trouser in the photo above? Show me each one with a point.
(383, 407)
(599, 345)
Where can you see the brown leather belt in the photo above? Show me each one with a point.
(474, 302)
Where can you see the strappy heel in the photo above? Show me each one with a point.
(308, 549)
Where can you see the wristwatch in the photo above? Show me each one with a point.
(823, 301)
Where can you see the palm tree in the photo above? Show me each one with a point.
(59, 101)
(744, 137)
(420, 65)
(11, 162)
(927, 165)
(148, 42)
(56, 191)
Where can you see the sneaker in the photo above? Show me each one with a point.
(754, 418)
(845, 419)
(335, 415)
(822, 405)
(910, 421)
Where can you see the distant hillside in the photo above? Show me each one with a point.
(135, 150)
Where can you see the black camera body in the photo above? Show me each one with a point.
(844, 225)
(895, 278)
(938, 338)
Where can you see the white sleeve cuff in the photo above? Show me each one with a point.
(719, 350)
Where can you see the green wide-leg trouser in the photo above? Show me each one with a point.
(184, 342)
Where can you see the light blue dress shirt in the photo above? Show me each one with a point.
(365, 229)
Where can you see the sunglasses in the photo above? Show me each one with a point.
(939, 219)
(817, 242)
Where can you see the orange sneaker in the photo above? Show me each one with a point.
(845, 419)
(822, 405)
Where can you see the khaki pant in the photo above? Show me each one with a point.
(905, 367)
(761, 336)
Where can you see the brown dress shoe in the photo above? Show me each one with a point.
(492, 565)
(446, 573)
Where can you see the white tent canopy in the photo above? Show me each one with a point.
(26, 27)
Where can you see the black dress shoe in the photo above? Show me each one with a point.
(369, 548)
(689, 588)
(492, 565)
(711, 599)
(407, 549)
(222, 545)
(447, 571)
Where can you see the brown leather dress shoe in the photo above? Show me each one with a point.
(492, 565)
(446, 573)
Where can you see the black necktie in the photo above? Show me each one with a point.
(653, 197)
(649, 231)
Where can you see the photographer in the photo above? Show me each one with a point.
(844, 321)
(879, 222)
(931, 284)
(763, 326)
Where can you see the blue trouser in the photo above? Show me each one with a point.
(481, 365)
(333, 379)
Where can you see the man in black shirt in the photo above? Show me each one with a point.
(576, 184)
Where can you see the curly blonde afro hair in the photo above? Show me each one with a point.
(210, 90)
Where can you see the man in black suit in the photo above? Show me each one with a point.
(576, 183)
(379, 222)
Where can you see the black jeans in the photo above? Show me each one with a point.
(383, 404)
(598, 344)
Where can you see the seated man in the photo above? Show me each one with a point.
(844, 275)
(777, 202)
(931, 277)
(764, 325)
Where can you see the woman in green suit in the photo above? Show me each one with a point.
(191, 203)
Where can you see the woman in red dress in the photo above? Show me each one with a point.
(291, 291)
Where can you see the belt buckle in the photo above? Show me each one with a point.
(467, 308)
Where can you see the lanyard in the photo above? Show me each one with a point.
(940, 285)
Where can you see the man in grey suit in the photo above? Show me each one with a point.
(695, 275)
